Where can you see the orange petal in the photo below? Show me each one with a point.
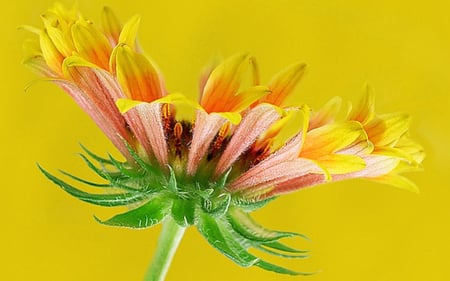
(137, 76)
(111, 26)
(91, 44)
(284, 83)
(221, 90)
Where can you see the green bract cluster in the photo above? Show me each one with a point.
(153, 194)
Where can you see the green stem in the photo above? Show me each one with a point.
(168, 242)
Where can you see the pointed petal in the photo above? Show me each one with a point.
(220, 91)
(91, 44)
(326, 114)
(387, 129)
(51, 55)
(254, 124)
(397, 181)
(128, 36)
(137, 76)
(330, 138)
(284, 83)
(111, 26)
(365, 111)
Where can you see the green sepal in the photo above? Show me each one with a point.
(288, 256)
(278, 269)
(85, 181)
(147, 215)
(243, 224)
(139, 160)
(172, 184)
(221, 208)
(252, 205)
(223, 179)
(183, 212)
(120, 166)
(108, 200)
(282, 247)
(94, 156)
(222, 240)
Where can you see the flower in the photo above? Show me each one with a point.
(209, 163)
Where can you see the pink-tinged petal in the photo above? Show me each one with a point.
(254, 124)
(206, 128)
(275, 175)
(150, 115)
(283, 84)
(295, 184)
(286, 153)
(114, 131)
(110, 25)
(376, 166)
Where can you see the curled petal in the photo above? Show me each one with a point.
(365, 111)
(110, 25)
(387, 129)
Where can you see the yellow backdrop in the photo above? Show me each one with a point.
(359, 230)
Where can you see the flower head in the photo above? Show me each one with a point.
(210, 162)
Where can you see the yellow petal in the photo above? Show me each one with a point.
(284, 83)
(111, 26)
(51, 55)
(125, 105)
(59, 33)
(326, 114)
(386, 130)
(245, 98)
(91, 44)
(341, 163)
(397, 181)
(137, 76)
(331, 138)
(129, 32)
(365, 111)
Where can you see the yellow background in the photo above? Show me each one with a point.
(359, 230)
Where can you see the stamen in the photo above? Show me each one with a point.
(223, 132)
(166, 116)
(178, 132)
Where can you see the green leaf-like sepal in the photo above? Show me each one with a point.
(147, 215)
(108, 200)
(183, 212)
(278, 269)
(243, 224)
(221, 239)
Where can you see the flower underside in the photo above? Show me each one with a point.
(209, 162)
